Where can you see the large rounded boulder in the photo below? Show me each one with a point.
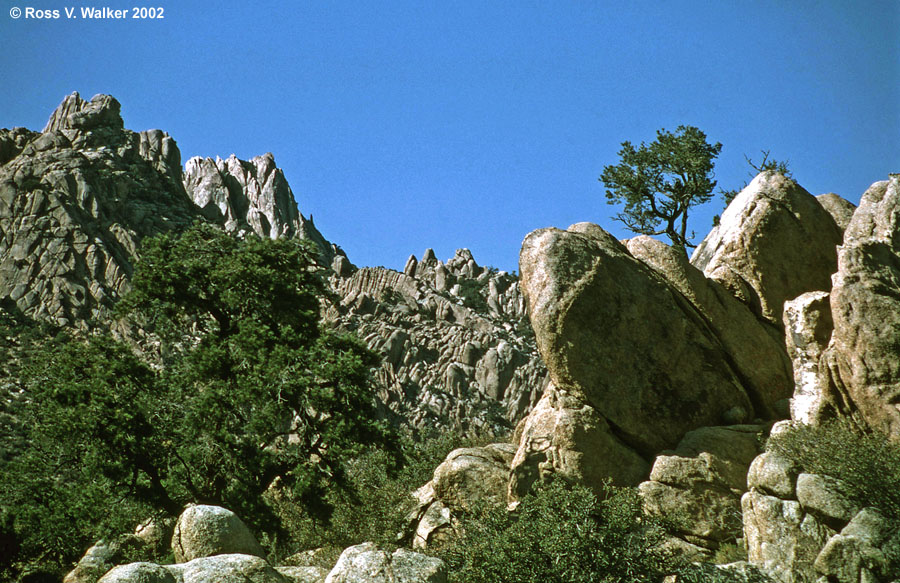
(614, 332)
(774, 242)
(205, 531)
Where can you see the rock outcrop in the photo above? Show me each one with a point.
(840, 209)
(775, 241)
(803, 528)
(204, 531)
(458, 350)
(251, 196)
(699, 486)
(566, 436)
(77, 199)
(467, 478)
(138, 573)
(755, 349)
(808, 326)
(365, 563)
(231, 568)
(653, 358)
(860, 369)
(74, 204)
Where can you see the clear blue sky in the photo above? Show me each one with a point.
(406, 125)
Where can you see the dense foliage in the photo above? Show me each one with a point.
(659, 182)
(565, 534)
(376, 505)
(559, 534)
(867, 465)
(245, 390)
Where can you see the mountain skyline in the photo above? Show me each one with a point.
(402, 127)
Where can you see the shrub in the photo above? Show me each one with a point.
(375, 503)
(567, 534)
(560, 533)
(868, 465)
(251, 391)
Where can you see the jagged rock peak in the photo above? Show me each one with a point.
(74, 113)
(77, 199)
(251, 195)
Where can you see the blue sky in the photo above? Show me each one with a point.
(406, 125)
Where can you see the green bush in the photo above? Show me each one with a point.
(868, 465)
(560, 534)
(567, 534)
(247, 389)
(375, 503)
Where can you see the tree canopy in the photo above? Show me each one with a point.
(661, 181)
(245, 389)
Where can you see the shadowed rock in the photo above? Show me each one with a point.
(614, 332)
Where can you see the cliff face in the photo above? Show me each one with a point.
(77, 199)
(75, 202)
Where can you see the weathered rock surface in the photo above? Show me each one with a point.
(472, 474)
(204, 531)
(700, 483)
(774, 242)
(804, 528)
(230, 568)
(755, 349)
(773, 474)
(458, 350)
(867, 549)
(366, 564)
(781, 537)
(466, 478)
(840, 209)
(13, 141)
(566, 436)
(149, 539)
(74, 204)
(303, 574)
(825, 496)
(138, 573)
(251, 196)
(613, 331)
(860, 366)
(77, 199)
(96, 561)
(808, 326)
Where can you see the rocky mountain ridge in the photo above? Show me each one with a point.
(77, 199)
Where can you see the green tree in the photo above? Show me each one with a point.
(661, 181)
(246, 390)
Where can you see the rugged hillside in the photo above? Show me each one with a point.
(458, 349)
(77, 199)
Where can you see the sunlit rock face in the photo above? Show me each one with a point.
(774, 242)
